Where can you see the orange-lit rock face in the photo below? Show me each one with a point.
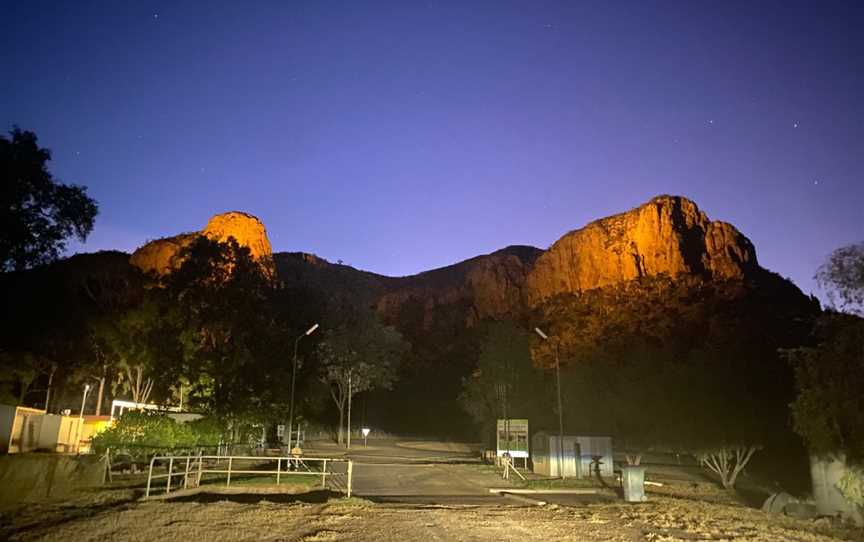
(667, 235)
(161, 256)
(245, 228)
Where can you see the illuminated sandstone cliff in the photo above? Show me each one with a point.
(668, 235)
(161, 256)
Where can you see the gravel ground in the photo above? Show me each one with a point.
(280, 516)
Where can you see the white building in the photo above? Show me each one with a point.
(578, 454)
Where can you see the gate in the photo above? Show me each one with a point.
(188, 471)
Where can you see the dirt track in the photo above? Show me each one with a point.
(274, 517)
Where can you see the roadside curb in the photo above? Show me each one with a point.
(520, 498)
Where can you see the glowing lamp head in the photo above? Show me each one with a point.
(311, 330)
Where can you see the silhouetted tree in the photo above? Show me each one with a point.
(218, 302)
(38, 214)
(357, 356)
(842, 276)
(829, 409)
(504, 384)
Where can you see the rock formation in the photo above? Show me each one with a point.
(668, 235)
(487, 286)
(162, 255)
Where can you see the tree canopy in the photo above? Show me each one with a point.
(39, 214)
(842, 276)
(829, 409)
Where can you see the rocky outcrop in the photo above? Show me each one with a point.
(246, 229)
(668, 235)
(162, 255)
(488, 286)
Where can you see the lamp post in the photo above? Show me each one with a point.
(560, 411)
(81, 418)
(309, 331)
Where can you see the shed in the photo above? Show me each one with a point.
(577, 454)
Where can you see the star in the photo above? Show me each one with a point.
(795, 125)
(711, 121)
(155, 15)
(816, 181)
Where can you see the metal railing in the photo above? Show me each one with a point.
(191, 469)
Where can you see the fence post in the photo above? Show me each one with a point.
(230, 461)
(149, 475)
(200, 466)
(350, 471)
(186, 474)
(170, 468)
(278, 469)
(324, 475)
(106, 472)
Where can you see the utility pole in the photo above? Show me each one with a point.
(293, 380)
(349, 409)
(555, 344)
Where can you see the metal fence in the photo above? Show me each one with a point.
(188, 471)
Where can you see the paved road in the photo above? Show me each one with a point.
(433, 474)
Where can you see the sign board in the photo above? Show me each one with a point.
(512, 438)
(280, 431)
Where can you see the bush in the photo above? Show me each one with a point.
(142, 434)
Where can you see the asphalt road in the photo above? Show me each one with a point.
(434, 474)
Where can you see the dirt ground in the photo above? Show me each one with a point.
(319, 516)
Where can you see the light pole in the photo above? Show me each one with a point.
(309, 331)
(560, 411)
(81, 418)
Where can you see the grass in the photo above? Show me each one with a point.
(557, 483)
(308, 480)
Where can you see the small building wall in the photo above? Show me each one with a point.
(25, 430)
(545, 455)
(7, 420)
(596, 446)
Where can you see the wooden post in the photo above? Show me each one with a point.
(230, 461)
(324, 475)
(278, 469)
(170, 468)
(350, 471)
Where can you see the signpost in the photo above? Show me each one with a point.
(366, 432)
(512, 439)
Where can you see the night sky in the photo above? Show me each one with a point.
(404, 136)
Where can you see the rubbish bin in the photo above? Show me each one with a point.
(633, 483)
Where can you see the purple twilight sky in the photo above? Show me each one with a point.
(402, 136)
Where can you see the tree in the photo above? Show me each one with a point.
(637, 356)
(504, 383)
(230, 341)
(829, 409)
(358, 356)
(39, 214)
(842, 276)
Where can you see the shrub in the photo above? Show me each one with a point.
(142, 434)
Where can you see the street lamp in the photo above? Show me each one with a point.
(81, 418)
(560, 411)
(309, 331)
